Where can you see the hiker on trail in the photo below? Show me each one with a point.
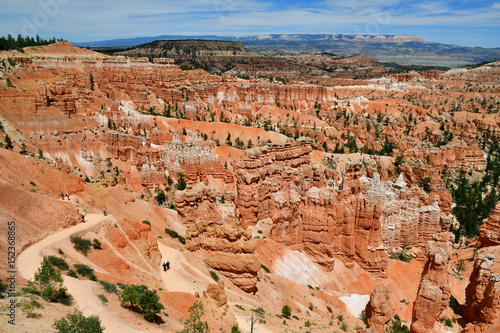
(104, 211)
(168, 264)
(62, 195)
(83, 218)
(164, 267)
(67, 195)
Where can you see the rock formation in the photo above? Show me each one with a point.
(196, 203)
(195, 159)
(402, 214)
(479, 280)
(379, 309)
(216, 293)
(489, 233)
(489, 308)
(450, 156)
(59, 96)
(228, 248)
(349, 216)
(434, 290)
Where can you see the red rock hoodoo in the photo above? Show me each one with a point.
(434, 290)
(379, 309)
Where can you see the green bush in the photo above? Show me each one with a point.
(147, 222)
(265, 269)
(129, 297)
(286, 311)
(161, 197)
(362, 316)
(76, 322)
(8, 141)
(80, 244)
(58, 262)
(181, 184)
(401, 255)
(396, 326)
(72, 274)
(103, 299)
(121, 285)
(235, 329)
(329, 309)
(3, 289)
(109, 287)
(48, 281)
(96, 244)
(448, 322)
(259, 311)
(28, 306)
(86, 271)
(425, 184)
(174, 234)
(194, 323)
(214, 276)
(141, 300)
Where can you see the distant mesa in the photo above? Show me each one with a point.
(401, 49)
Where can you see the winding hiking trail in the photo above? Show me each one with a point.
(182, 276)
(83, 291)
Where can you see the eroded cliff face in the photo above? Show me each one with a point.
(154, 163)
(228, 248)
(450, 157)
(434, 290)
(195, 158)
(197, 203)
(264, 171)
(329, 215)
(489, 232)
(59, 96)
(404, 216)
(217, 236)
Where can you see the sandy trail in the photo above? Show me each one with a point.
(182, 276)
(83, 291)
(31, 258)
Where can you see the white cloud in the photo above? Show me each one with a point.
(97, 20)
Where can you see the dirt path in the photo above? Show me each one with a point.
(181, 276)
(83, 291)
(31, 258)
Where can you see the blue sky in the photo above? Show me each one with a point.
(468, 23)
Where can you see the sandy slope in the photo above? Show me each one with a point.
(181, 277)
(83, 291)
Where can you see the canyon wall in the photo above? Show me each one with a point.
(347, 215)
